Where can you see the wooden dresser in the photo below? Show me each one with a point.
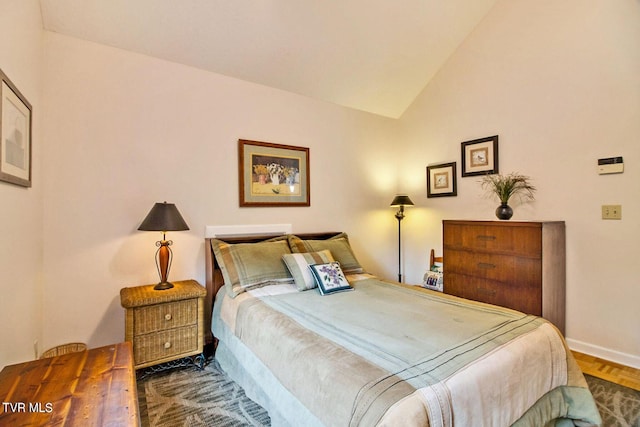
(164, 325)
(519, 265)
(94, 387)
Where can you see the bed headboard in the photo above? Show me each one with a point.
(214, 279)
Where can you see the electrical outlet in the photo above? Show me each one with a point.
(611, 211)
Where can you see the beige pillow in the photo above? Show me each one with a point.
(338, 246)
(250, 265)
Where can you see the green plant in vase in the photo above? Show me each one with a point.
(507, 186)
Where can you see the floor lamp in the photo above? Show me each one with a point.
(400, 201)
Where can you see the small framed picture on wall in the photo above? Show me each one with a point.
(441, 180)
(480, 156)
(15, 134)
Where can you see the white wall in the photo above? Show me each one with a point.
(20, 207)
(559, 82)
(125, 130)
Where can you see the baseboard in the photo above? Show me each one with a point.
(604, 353)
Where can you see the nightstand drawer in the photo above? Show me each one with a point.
(165, 344)
(153, 318)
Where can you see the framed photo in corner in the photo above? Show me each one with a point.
(441, 180)
(480, 156)
(273, 174)
(15, 134)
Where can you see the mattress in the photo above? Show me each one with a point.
(389, 354)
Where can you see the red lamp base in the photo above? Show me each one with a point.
(164, 255)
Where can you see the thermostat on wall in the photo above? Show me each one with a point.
(610, 165)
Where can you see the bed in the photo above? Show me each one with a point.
(335, 346)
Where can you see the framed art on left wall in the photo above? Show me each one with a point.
(15, 134)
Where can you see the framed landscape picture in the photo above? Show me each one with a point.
(273, 174)
(441, 180)
(15, 134)
(480, 156)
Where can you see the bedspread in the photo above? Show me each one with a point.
(385, 354)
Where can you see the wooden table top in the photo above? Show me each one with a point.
(96, 387)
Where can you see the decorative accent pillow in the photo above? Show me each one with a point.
(338, 246)
(330, 278)
(433, 279)
(298, 265)
(251, 265)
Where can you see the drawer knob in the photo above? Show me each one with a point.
(486, 265)
(490, 292)
(167, 316)
(167, 345)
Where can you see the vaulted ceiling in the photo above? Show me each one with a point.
(371, 55)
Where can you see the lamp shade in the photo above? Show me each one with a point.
(163, 217)
(401, 200)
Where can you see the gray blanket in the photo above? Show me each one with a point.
(392, 355)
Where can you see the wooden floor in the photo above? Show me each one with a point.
(610, 371)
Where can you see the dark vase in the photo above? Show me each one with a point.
(504, 211)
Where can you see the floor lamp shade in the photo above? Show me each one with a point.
(163, 217)
(400, 201)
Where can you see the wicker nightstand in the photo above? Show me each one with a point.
(164, 325)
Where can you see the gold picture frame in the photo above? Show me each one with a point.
(15, 134)
(273, 174)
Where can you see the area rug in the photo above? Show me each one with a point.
(191, 398)
(619, 406)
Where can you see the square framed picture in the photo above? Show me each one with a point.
(15, 134)
(441, 180)
(480, 156)
(273, 174)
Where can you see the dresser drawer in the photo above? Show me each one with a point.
(159, 317)
(165, 344)
(515, 295)
(517, 240)
(503, 268)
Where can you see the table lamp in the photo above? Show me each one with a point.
(163, 217)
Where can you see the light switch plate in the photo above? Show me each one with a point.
(611, 211)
